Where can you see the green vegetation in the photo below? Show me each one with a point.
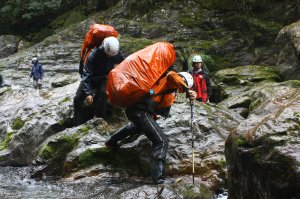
(190, 192)
(17, 123)
(142, 6)
(23, 12)
(131, 45)
(74, 16)
(67, 99)
(292, 83)
(91, 157)
(255, 104)
(61, 122)
(57, 150)
(223, 163)
(116, 160)
(250, 73)
(188, 21)
(8, 138)
(84, 130)
(240, 141)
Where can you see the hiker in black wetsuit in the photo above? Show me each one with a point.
(92, 88)
(142, 116)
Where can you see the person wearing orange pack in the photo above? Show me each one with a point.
(142, 116)
(202, 84)
(92, 88)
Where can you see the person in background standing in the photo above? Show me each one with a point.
(202, 84)
(37, 73)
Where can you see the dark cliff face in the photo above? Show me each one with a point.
(227, 33)
(35, 20)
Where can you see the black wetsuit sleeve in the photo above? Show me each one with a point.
(208, 85)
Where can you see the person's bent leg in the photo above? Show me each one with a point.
(35, 84)
(144, 121)
(78, 102)
(101, 101)
(128, 130)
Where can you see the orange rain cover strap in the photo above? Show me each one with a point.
(95, 36)
(135, 76)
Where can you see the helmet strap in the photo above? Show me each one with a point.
(197, 70)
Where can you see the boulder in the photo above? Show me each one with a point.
(288, 43)
(262, 153)
(211, 127)
(8, 45)
(235, 81)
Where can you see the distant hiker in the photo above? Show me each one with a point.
(143, 86)
(37, 73)
(202, 84)
(92, 88)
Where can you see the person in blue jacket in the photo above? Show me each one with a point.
(37, 73)
(91, 98)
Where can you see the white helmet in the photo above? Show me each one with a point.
(188, 78)
(34, 59)
(197, 58)
(111, 46)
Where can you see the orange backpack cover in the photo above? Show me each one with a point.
(135, 76)
(95, 36)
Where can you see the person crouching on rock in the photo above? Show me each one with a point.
(142, 116)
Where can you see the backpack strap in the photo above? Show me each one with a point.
(169, 91)
(81, 64)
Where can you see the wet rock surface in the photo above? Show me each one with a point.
(288, 42)
(259, 114)
(262, 153)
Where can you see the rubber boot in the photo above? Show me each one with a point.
(157, 171)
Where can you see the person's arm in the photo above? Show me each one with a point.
(87, 79)
(88, 76)
(176, 82)
(174, 79)
(119, 58)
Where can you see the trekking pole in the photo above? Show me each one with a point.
(192, 131)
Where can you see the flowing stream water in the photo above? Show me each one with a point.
(15, 183)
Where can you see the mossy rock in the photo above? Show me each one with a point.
(118, 160)
(73, 16)
(17, 123)
(190, 191)
(57, 150)
(131, 45)
(8, 138)
(251, 73)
